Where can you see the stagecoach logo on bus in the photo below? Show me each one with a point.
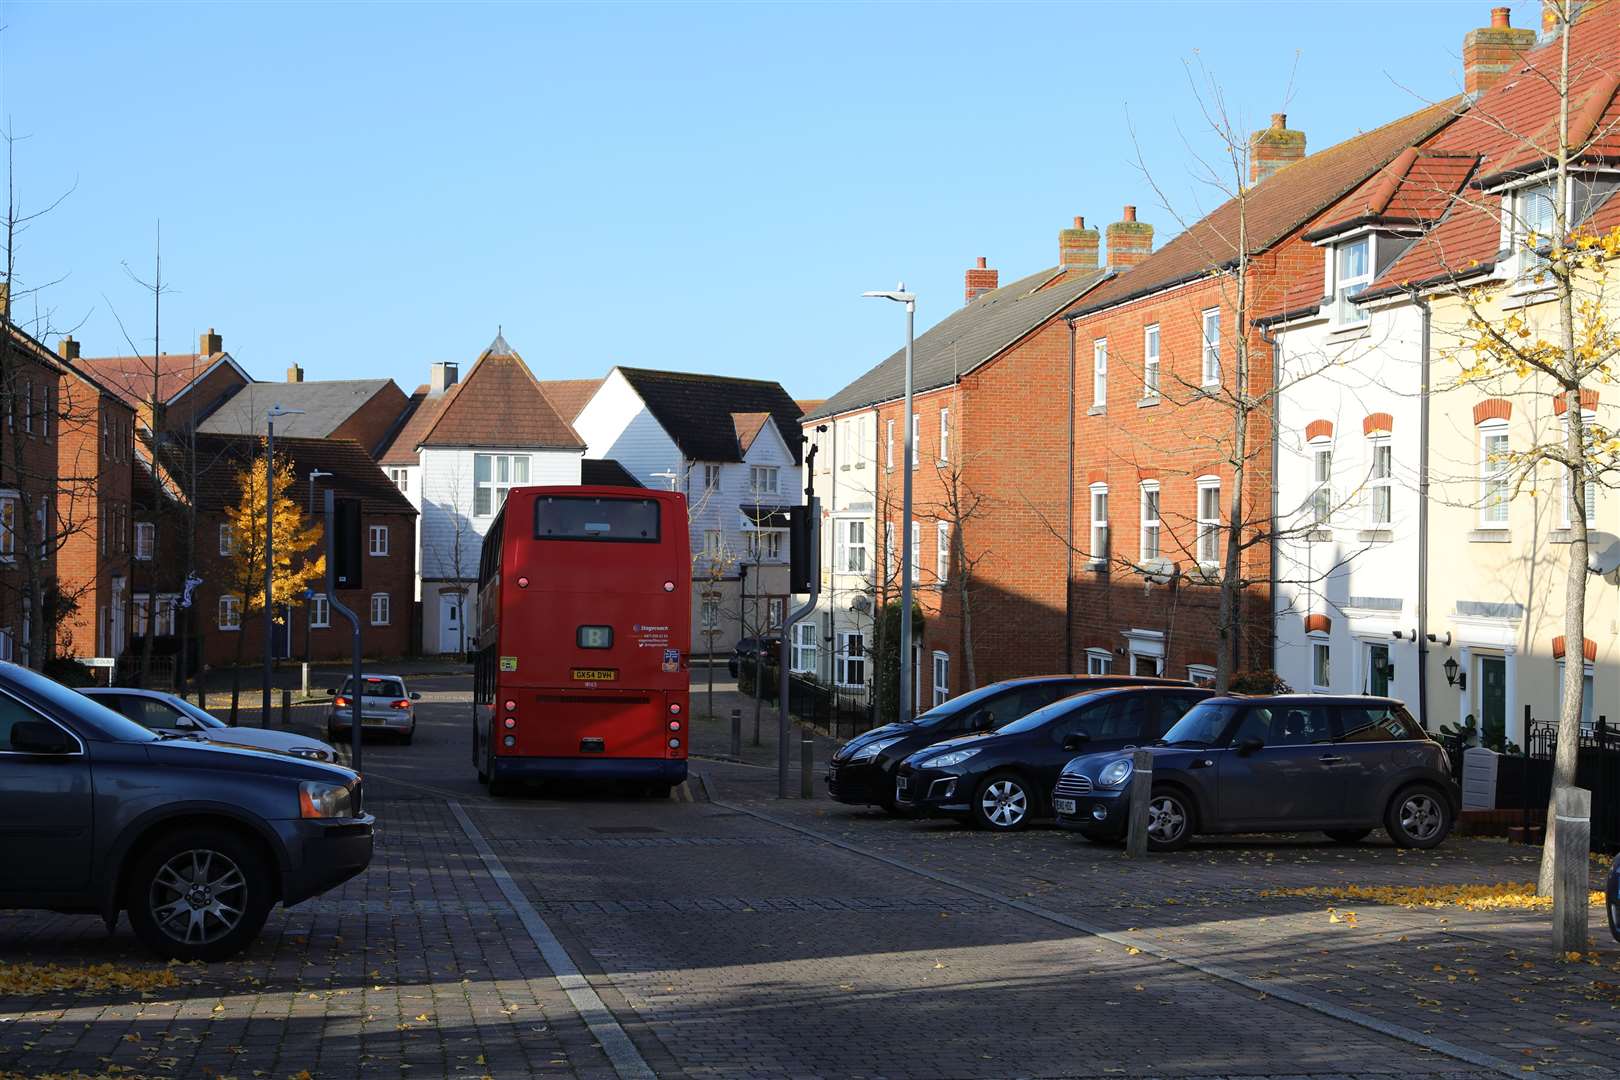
(650, 637)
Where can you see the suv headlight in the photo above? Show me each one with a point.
(945, 761)
(872, 749)
(322, 800)
(1115, 773)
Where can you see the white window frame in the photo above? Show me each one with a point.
(711, 477)
(1150, 361)
(1495, 478)
(764, 480)
(145, 540)
(1201, 674)
(709, 615)
(495, 489)
(1346, 286)
(374, 533)
(942, 551)
(1099, 661)
(1380, 488)
(1321, 656)
(1588, 692)
(7, 652)
(1099, 524)
(890, 569)
(802, 648)
(227, 539)
(765, 545)
(916, 439)
(401, 477)
(1151, 525)
(1099, 373)
(775, 612)
(1321, 483)
(1210, 369)
(1528, 264)
(888, 442)
(1208, 546)
(10, 505)
(28, 414)
(320, 611)
(942, 677)
(1566, 504)
(713, 544)
(228, 612)
(849, 551)
(944, 434)
(916, 551)
(849, 667)
(381, 609)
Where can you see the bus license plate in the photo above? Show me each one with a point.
(1063, 806)
(591, 674)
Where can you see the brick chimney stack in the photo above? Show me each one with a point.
(67, 348)
(1273, 148)
(443, 377)
(295, 374)
(1490, 54)
(210, 344)
(1129, 241)
(980, 280)
(1077, 247)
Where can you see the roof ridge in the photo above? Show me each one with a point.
(696, 375)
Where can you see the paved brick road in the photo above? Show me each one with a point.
(751, 937)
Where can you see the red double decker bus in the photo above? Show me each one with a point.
(584, 631)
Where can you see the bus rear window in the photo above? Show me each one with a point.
(565, 517)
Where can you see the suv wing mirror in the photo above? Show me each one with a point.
(1076, 740)
(40, 737)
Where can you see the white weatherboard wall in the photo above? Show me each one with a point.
(615, 424)
(1365, 580)
(846, 472)
(446, 504)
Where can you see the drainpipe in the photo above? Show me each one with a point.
(1068, 557)
(1423, 514)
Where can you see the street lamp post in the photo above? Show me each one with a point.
(900, 296)
(269, 544)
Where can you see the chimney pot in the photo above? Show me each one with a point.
(210, 343)
(1279, 121)
(1501, 17)
(1130, 213)
(979, 281)
(1129, 241)
(295, 374)
(67, 348)
(1079, 222)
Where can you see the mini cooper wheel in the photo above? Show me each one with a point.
(1003, 803)
(1170, 820)
(199, 894)
(1418, 817)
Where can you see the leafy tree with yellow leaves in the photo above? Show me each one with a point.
(299, 560)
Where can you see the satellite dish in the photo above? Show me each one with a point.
(1602, 553)
(861, 604)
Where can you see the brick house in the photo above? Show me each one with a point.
(991, 424)
(29, 397)
(94, 507)
(187, 386)
(367, 411)
(1153, 469)
(305, 630)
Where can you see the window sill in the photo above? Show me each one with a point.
(1319, 536)
(229, 629)
(1376, 536)
(1095, 565)
(1349, 331)
(1205, 572)
(1149, 402)
(1097, 410)
(1208, 390)
(1156, 568)
(1490, 536)
(1561, 536)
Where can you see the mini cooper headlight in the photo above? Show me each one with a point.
(1115, 773)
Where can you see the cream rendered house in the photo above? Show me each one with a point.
(833, 643)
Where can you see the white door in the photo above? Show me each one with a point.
(450, 639)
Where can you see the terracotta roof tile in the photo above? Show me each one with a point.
(221, 457)
(499, 403)
(748, 425)
(420, 413)
(130, 377)
(569, 396)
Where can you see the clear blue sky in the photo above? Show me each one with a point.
(365, 189)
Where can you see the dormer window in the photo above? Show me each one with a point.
(1352, 272)
(1533, 219)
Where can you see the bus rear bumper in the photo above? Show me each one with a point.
(633, 770)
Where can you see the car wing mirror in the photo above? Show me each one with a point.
(186, 723)
(39, 737)
(331, 691)
(1250, 745)
(1076, 740)
(416, 696)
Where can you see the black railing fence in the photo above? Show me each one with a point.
(841, 715)
(1526, 783)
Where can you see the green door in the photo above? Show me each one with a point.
(1378, 670)
(1492, 700)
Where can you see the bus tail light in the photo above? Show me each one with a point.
(674, 725)
(675, 708)
(674, 744)
(511, 705)
(509, 740)
(669, 586)
(509, 723)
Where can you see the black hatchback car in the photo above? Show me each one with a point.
(862, 771)
(1000, 779)
(1286, 763)
(767, 648)
(195, 840)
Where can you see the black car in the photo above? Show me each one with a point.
(862, 771)
(1287, 763)
(999, 779)
(195, 840)
(1611, 899)
(749, 647)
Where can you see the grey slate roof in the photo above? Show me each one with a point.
(696, 410)
(966, 338)
(606, 472)
(326, 404)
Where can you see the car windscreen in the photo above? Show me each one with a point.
(957, 705)
(377, 687)
(578, 517)
(94, 718)
(1038, 719)
(1204, 725)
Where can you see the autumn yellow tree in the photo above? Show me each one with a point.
(299, 560)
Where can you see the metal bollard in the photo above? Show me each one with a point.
(286, 708)
(756, 725)
(807, 764)
(736, 733)
(1141, 796)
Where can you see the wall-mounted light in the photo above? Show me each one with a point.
(1436, 638)
(1456, 678)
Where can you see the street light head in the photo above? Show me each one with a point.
(277, 410)
(899, 296)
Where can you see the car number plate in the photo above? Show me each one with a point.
(1063, 806)
(591, 674)
(377, 720)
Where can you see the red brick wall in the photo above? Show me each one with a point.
(373, 420)
(95, 450)
(27, 465)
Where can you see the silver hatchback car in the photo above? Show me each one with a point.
(385, 706)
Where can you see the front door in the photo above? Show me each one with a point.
(1492, 699)
(1295, 776)
(1375, 680)
(45, 812)
(280, 632)
(450, 619)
